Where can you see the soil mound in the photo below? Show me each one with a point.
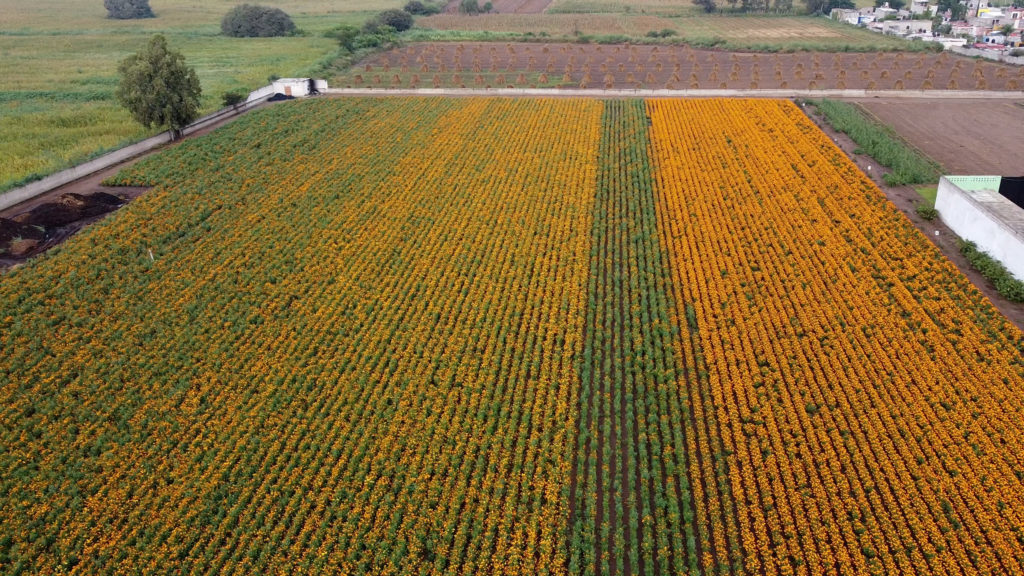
(30, 232)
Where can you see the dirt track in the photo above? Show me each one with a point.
(964, 136)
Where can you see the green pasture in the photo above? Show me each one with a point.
(59, 62)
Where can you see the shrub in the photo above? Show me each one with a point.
(399, 20)
(664, 33)
(925, 211)
(128, 9)
(250, 21)
(234, 97)
(417, 8)
(1008, 287)
(346, 35)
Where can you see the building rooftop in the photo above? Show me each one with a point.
(984, 192)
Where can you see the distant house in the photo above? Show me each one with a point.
(995, 38)
(919, 6)
(854, 17)
(298, 87)
(884, 12)
(966, 29)
(906, 27)
(985, 210)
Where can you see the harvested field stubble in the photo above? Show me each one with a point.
(676, 67)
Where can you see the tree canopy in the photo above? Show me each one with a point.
(399, 20)
(251, 21)
(158, 88)
(128, 9)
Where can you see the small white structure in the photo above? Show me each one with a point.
(973, 208)
(299, 86)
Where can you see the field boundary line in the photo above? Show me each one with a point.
(688, 93)
(899, 137)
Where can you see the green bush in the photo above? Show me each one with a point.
(250, 21)
(417, 8)
(908, 166)
(398, 20)
(1008, 287)
(128, 9)
(925, 211)
(234, 97)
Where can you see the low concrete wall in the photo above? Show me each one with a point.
(975, 216)
(999, 56)
(31, 190)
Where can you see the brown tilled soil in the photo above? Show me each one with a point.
(965, 136)
(906, 199)
(521, 65)
(47, 223)
(36, 225)
(505, 6)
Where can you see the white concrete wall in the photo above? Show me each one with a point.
(31, 190)
(964, 215)
(998, 55)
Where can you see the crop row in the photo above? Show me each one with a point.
(344, 356)
(866, 393)
(500, 336)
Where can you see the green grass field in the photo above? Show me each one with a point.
(56, 101)
(734, 31)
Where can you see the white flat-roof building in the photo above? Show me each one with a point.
(973, 208)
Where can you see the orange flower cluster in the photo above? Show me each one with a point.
(353, 352)
(468, 336)
(867, 398)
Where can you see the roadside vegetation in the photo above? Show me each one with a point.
(1008, 287)
(60, 74)
(876, 140)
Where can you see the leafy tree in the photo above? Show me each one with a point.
(783, 5)
(417, 8)
(894, 4)
(826, 6)
(157, 88)
(250, 21)
(128, 9)
(346, 35)
(957, 10)
(399, 20)
(469, 7)
(709, 6)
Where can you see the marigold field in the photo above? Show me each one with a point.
(507, 336)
